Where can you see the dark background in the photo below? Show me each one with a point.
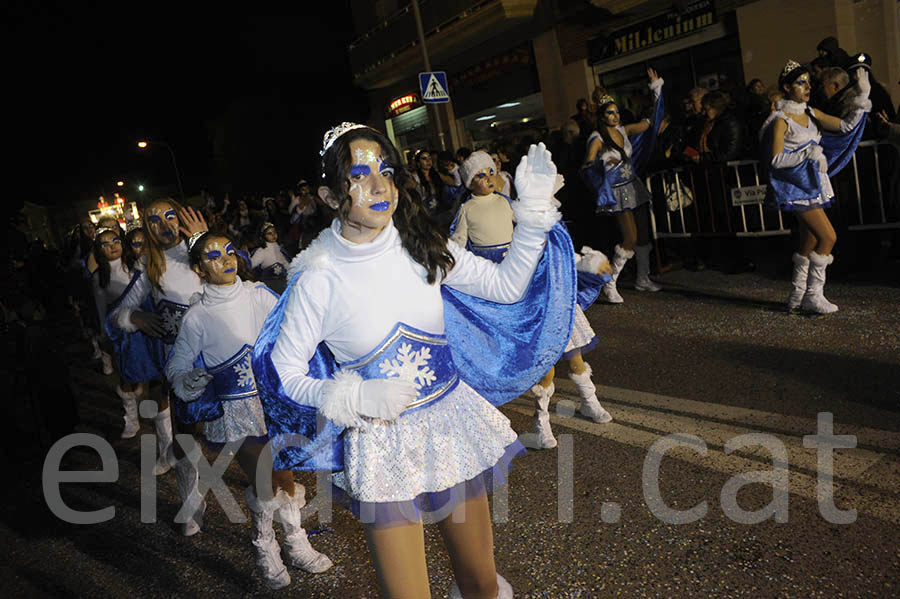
(243, 100)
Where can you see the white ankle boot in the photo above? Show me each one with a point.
(165, 459)
(129, 402)
(192, 503)
(544, 438)
(590, 405)
(643, 282)
(609, 290)
(814, 299)
(798, 281)
(95, 343)
(106, 360)
(297, 550)
(268, 557)
(505, 590)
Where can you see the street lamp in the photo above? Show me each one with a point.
(144, 143)
(120, 183)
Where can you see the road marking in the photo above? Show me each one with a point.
(865, 479)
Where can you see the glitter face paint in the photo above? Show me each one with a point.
(163, 224)
(111, 246)
(371, 185)
(219, 263)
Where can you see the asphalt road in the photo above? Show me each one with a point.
(711, 358)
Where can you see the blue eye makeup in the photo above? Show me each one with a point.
(229, 250)
(213, 254)
(360, 169)
(155, 219)
(170, 214)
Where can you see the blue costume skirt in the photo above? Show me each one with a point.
(628, 196)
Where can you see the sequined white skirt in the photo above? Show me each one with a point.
(241, 418)
(582, 333)
(426, 450)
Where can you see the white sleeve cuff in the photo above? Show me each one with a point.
(123, 320)
(338, 396)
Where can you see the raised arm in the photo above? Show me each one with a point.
(535, 214)
(656, 84)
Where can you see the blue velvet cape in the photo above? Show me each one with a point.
(601, 182)
(137, 355)
(801, 182)
(501, 351)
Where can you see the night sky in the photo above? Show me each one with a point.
(88, 86)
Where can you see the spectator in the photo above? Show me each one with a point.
(694, 120)
(830, 50)
(816, 68)
(723, 136)
(428, 181)
(448, 170)
(462, 154)
(583, 117)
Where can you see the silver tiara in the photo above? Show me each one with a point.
(790, 66)
(267, 225)
(194, 239)
(103, 230)
(332, 134)
(606, 99)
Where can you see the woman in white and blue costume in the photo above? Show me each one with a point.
(616, 156)
(269, 260)
(484, 226)
(395, 335)
(165, 287)
(117, 271)
(210, 371)
(800, 162)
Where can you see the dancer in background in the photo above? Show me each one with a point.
(169, 282)
(616, 155)
(210, 372)
(359, 337)
(800, 163)
(269, 260)
(485, 227)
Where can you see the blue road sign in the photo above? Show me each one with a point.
(433, 86)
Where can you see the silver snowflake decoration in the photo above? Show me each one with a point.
(626, 171)
(277, 269)
(170, 321)
(244, 372)
(410, 366)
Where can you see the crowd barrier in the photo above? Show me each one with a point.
(729, 199)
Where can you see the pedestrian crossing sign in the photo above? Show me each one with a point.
(434, 87)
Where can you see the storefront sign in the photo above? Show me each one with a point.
(403, 104)
(658, 30)
(741, 196)
(494, 67)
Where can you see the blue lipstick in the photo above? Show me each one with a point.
(380, 206)
(229, 270)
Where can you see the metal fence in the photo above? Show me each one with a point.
(728, 199)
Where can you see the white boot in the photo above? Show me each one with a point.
(798, 281)
(297, 550)
(590, 406)
(814, 299)
(129, 402)
(618, 263)
(543, 433)
(188, 481)
(268, 557)
(165, 459)
(504, 589)
(643, 282)
(95, 343)
(106, 360)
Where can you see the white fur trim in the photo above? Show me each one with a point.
(476, 162)
(655, 86)
(337, 397)
(629, 254)
(790, 107)
(316, 256)
(543, 219)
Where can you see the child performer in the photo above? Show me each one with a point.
(269, 260)
(210, 371)
(485, 227)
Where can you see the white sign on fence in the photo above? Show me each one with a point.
(754, 194)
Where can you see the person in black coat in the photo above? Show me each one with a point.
(724, 138)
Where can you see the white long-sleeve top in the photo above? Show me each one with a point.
(351, 295)
(266, 256)
(225, 319)
(484, 220)
(119, 278)
(178, 284)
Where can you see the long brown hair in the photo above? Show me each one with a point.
(422, 240)
(156, 256)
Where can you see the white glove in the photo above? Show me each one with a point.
(191, 384)
(788, 159)
(536, 178)
(383, 398)
(862, 82)
(817, 155)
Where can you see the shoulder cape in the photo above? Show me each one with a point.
(499, 350)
